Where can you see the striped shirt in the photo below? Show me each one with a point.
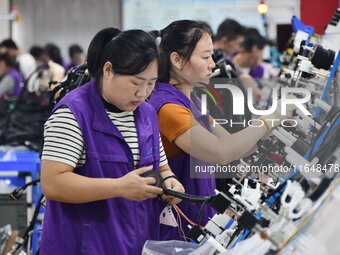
(63, 139)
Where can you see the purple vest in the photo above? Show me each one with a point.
(112, 226)
(180, 165)
(257, 72)
(17, 78)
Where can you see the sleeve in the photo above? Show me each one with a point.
(63, 140)
(7, 85)
(174, 120)
(163, 160)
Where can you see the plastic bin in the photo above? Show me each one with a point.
(16, 166)
(13, 212)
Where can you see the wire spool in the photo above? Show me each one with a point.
(156, 176)
(322, 58)
(317, 56)
(329, 60)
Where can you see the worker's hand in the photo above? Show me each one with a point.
(274, 119)
(135, 187)
(174, 184)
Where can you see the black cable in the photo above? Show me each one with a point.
(200, 214)
(17, 193)
(321, 189)
(188, 197)
(31, 226)
(30, 183)
(34, 217)
(203, 200)
(236, 233)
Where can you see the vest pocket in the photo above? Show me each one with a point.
(108, 158)
(86, 240)
(148, 161)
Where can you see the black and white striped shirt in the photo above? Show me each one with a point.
(63, 140)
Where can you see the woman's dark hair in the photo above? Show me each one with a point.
(130, 51)
(53, 51)
(180, 36)
(231, 29)
(207, 28)
(37, 51)
(9, 43)
(8, 60)
(74, 49)
(253, 38)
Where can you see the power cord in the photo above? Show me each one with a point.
(188, 197)
(17, 193)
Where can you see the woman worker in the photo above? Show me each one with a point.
(10, 79)
(99, 141)
(189, 137)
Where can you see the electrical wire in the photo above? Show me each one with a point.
(180, 229)
(31, 226)
(234, 235)
(239, 238)
(184, 216)
(203, 200)
(188, 197)
(17, 193)
(200, 214)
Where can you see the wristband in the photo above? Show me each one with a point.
(168, 177)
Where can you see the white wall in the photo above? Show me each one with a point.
(281, 12)
(76, 21)
(4, 24)
(63, 22)
(156, 14)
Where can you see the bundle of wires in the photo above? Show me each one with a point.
(203, 200)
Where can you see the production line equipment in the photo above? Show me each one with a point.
(281, 212)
